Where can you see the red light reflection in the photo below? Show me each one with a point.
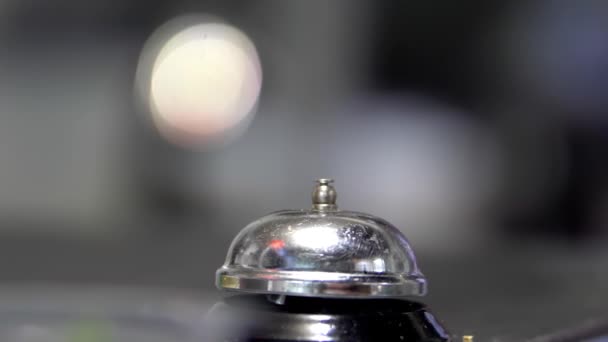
(276, 244)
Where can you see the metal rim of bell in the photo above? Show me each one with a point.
(331, 289)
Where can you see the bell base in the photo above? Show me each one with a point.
(256, 318)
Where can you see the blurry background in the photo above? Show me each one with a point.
(138, 137)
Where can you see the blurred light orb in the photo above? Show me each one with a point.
(204, 83)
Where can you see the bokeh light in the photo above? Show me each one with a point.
(200, 84)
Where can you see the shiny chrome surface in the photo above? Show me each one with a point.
(322, 252)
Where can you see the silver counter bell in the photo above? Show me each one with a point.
(322, 252)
